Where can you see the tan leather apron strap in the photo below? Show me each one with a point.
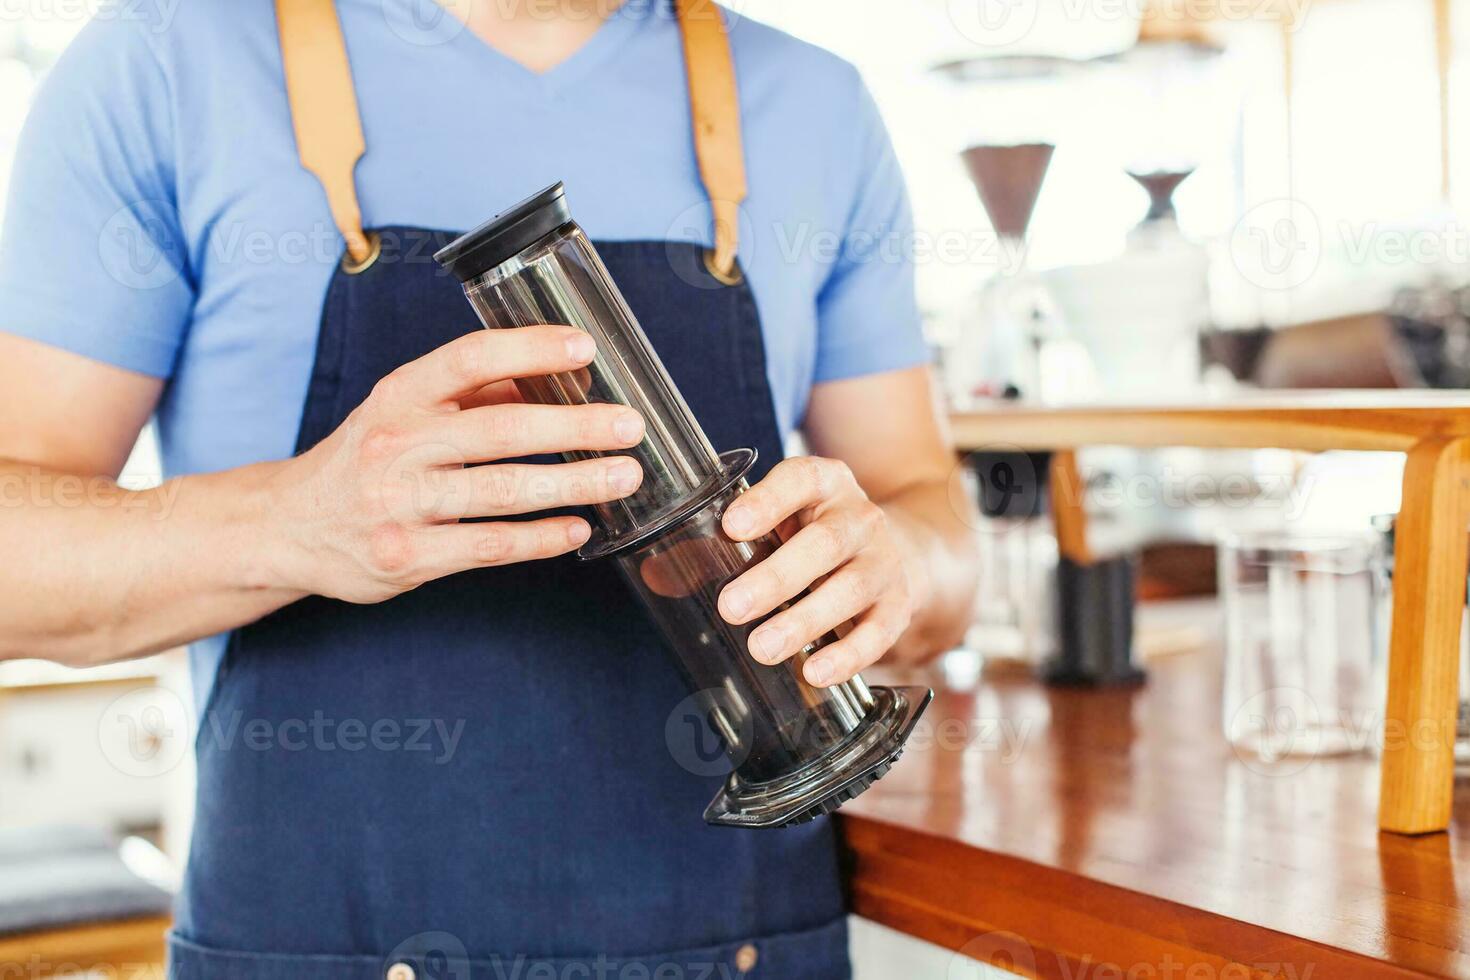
(329, 132)
(715, 106)
(324, 109)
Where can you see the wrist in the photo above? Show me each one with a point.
(260, 552)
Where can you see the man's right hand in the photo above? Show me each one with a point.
(374, 509)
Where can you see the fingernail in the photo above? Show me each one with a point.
(817, 671)
(629, 427)
(581, 348)
(625, 477)
(578, 533)
(767, 643)
(738, 520)
(737, 602)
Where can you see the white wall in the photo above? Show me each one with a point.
(880, 953)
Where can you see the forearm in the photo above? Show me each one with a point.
(97, 573)
(942, 563)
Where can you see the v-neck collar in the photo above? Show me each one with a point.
(592, 54)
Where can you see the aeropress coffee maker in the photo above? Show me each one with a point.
(798, 751)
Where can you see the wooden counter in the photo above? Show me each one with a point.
(1065, 833)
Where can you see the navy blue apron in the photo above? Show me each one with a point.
(473, 780)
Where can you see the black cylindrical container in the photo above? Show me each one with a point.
(1095, 605)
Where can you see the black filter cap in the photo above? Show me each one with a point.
(507, 234)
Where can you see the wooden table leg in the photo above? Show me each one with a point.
(1068, 515)
(1417, 777)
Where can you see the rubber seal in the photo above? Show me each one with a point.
(733, 467)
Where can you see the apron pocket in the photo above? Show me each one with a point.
(815, 954)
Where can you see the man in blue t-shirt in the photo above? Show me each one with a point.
(166, 253)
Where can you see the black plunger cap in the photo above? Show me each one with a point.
(507, 234)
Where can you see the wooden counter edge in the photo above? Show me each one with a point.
(1044, 922)
(129, 947)
(1315, 428)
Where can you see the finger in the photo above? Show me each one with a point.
(567, 388)
(877, 630)
(812, 552)
(457, 547)
(496, 393)
(792, 485)
(507, 489)
(503, 431)
(469, 363)
(845, 595)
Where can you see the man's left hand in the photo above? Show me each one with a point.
(844, 550)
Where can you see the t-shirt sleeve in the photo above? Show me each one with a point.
(867, 314)
(92, 256)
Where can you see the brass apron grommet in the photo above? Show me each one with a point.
(375, 249)
(746, 958)
(731, 278)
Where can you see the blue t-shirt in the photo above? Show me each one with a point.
(159, 219)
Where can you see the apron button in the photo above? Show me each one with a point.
(745, 958)
(400, 971)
